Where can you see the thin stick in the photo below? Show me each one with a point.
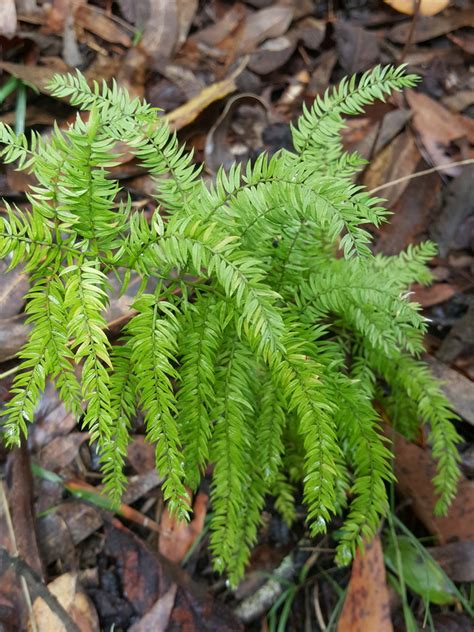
(460, 163)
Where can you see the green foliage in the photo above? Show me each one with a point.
(269, 333)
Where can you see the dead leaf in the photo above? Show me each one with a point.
(415, 470)
(459, 101)
(216, 33)
(265, 24)
(186, 11)
(177, 538)
(457, 388)
(434, 294)
(161, 32)
(141, 455)
(447, 229)
(456, 559)
(13, 335)
(400, 158)
(367, 605)
(272, 54)
(429, 28)
(37, 76)
(465, 42)
(438, 127)
(61, 451)
(412, 214)
(358, 49)
(311, 32)
(67, 591)
(14, 286)
(7, 18)
(380, 134)
(188, 112)
(146, 577)
(97, 21)
(427, 7)
(158, 617)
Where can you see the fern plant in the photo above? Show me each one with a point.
(270, 331)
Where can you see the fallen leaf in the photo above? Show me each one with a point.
(457, 560)
(447, 228)
(14, 286)
(61, 451)
(13, 335)
(158, 617)
(37, 76)
(459, 101)
(141, 455)
(421, 572)
(176, 537)
(146, 577)
(69, 594)
(451, 622)
(7, 18)
(264, 24)
(358, 48)
(366, 606)
(188, 112)
(434, 294)
(99, 23)
(426, 7)
(459, 340)
(457, 388)
(311, 32)
(186, 11)
(399, 159)
(272, 54)
(465, 42)
(438, 127)
(215, 34)
(415, 470)
(161, 31)
(429, 28)
(380, 134)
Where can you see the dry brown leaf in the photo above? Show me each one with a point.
(161, 31)
(397, 160)
(263, 25)
(366, 607)
(415, 470)
(438, 127)
(358, 48)
(427, 7)
(434, 294)
(7, 17)
(67, 591)
(430, 27)
(457, 388)
(177, 538)
(13, 288)
(99, 23)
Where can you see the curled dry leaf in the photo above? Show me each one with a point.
(430, 27)
(427, 7)
(13, 288)
(367, 606)
(263, 25)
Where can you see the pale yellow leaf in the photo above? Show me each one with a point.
(427, 7)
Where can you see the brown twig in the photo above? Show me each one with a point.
(36, 587)
(407, 44)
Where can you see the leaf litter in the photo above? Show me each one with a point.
(231, 78)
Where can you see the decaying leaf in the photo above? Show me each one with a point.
(13, 288)
(67, 591)
(358, 48)
(426, 7)
(429, 28)
(415, 469)
(176, 537)
(7, 17)
(367, 606)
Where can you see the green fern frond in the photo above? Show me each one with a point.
(261, 349)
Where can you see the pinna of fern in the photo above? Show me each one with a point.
(260, 350)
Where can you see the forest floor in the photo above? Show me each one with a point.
(230, 77)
